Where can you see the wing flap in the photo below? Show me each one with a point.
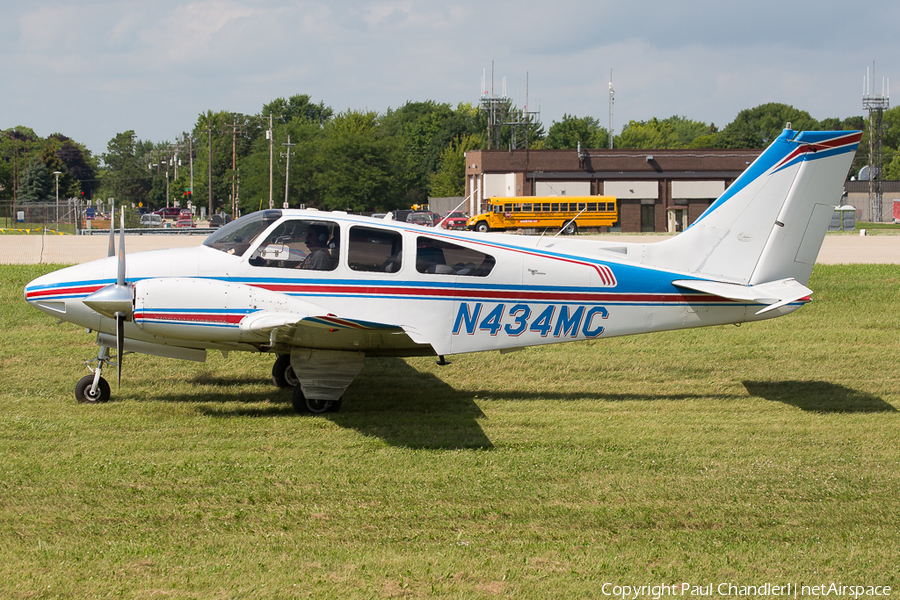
(293, 329)
(774, 294)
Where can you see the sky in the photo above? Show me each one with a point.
(91, 69)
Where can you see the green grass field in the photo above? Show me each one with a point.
(760, 454)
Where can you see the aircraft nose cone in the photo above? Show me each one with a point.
(112, 299)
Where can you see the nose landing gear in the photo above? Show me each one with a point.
(93, 388)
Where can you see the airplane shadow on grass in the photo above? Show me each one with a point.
(389, 400)
(818, 396)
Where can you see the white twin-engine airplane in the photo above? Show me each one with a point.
(323, 290)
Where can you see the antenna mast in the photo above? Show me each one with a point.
(612, 100)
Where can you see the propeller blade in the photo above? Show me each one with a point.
(120, 279)
(112, 233)
(120, 343)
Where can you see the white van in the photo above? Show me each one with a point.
(151, 220)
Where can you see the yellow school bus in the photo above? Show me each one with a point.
(547, 212)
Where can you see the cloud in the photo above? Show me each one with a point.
(94, 68)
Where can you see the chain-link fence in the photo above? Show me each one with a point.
(68, 216)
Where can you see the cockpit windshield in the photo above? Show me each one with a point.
(236, 237)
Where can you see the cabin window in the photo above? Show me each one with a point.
(300, 244)
(440, 257)
(371, 249)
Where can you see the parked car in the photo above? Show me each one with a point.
(455, 220)
(169, 212)
(185, 223)
(151, 220)
(420, 218)
(218, 220)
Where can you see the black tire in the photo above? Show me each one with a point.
(305, 406)
(283, 373)
(570, 229)
(83, 390)
(482, 227)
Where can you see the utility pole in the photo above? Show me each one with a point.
(191, 156)
(212, 203)
(271, 154)
(233, 167)
(287, 169)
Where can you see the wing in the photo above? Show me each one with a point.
(331, 332)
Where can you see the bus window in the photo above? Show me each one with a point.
(517, 207)
(592, 207)
(582, 206)
(554, 207)
(610, 207)
(545, 207)
(507, 208)
(526, 207)
(440, 257)
(373, 249)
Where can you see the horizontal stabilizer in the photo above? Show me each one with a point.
(774, 294)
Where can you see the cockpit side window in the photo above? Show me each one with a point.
(373, 249)
(236, 237)
(300, 244)
(441, 257)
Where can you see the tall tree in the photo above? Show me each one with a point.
(567, 133)
(80, 166)
(450, 178)
(298, 107)
(36, 184)
(125, 178)
(648, 134)
(358, 169)
(758, 127)
(17, 146)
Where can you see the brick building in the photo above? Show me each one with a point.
(657, 190)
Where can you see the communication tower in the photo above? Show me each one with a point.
(876, 104)
(502, 113)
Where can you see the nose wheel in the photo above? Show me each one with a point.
(86, 393)
(93, 389)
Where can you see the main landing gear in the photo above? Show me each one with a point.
(92, 389)
(283, 376)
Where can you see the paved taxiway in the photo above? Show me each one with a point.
(71, 249)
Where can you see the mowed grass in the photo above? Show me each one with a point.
(766, 453)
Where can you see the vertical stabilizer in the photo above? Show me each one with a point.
(770, 223)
